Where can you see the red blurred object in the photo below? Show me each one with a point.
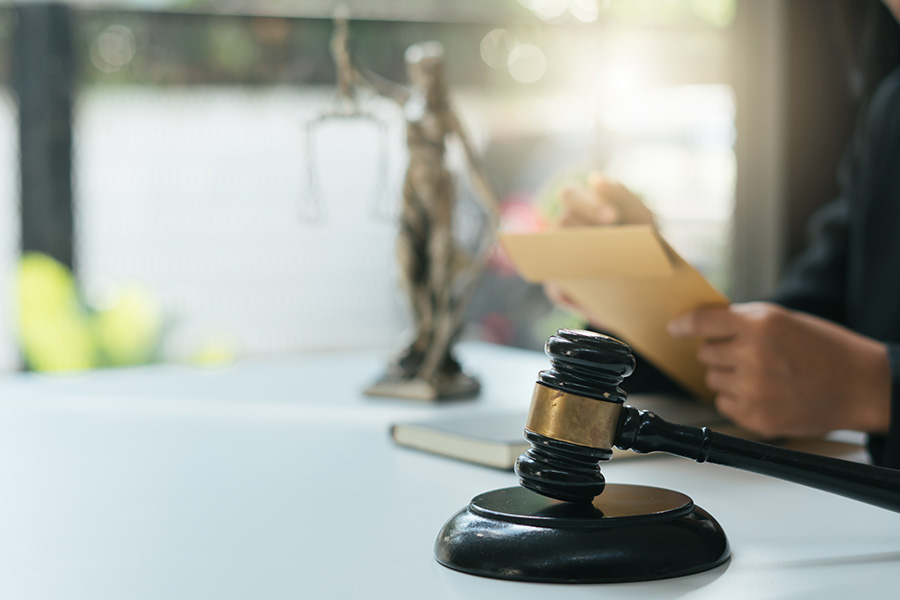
(497, 328)
(517, 213)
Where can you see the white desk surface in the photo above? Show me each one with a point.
(277, 479)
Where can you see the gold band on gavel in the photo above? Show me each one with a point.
(571, 418)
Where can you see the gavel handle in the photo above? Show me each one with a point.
(643, 431)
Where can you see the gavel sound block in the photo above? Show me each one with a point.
(566, 524)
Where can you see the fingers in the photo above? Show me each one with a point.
(581, 207)
(765, 420)
(728, 406)
(719, 354)
(721, 380)
(711, 322)
(732, 405)
(603, 202)
(609, 189)
(629, 207)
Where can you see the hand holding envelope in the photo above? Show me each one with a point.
(778, 372)
(602, 202)
(772, 371)
(627, 276)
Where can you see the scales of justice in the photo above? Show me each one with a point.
(439, 274)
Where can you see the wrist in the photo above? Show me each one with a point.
(871, 399)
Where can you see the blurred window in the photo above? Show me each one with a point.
(191, 167)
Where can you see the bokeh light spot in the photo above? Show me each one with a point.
(527, 63)
(495, 47)
(586, 11)
(113, 49)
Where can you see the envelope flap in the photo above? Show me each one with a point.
(588, 252)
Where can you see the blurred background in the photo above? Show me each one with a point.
(167, 193)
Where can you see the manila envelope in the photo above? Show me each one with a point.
(630, 278)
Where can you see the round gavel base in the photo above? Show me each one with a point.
(629, 533)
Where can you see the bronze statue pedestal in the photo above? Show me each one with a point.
(456, 385)
(628, 533)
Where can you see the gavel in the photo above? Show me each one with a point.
(564, 524)
(578, 413)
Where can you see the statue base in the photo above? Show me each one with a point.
(628, 533)
(458, 385)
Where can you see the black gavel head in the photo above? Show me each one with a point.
(574, 415)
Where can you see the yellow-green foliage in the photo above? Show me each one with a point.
(59, 332)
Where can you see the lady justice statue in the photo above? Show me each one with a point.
(439, 275)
